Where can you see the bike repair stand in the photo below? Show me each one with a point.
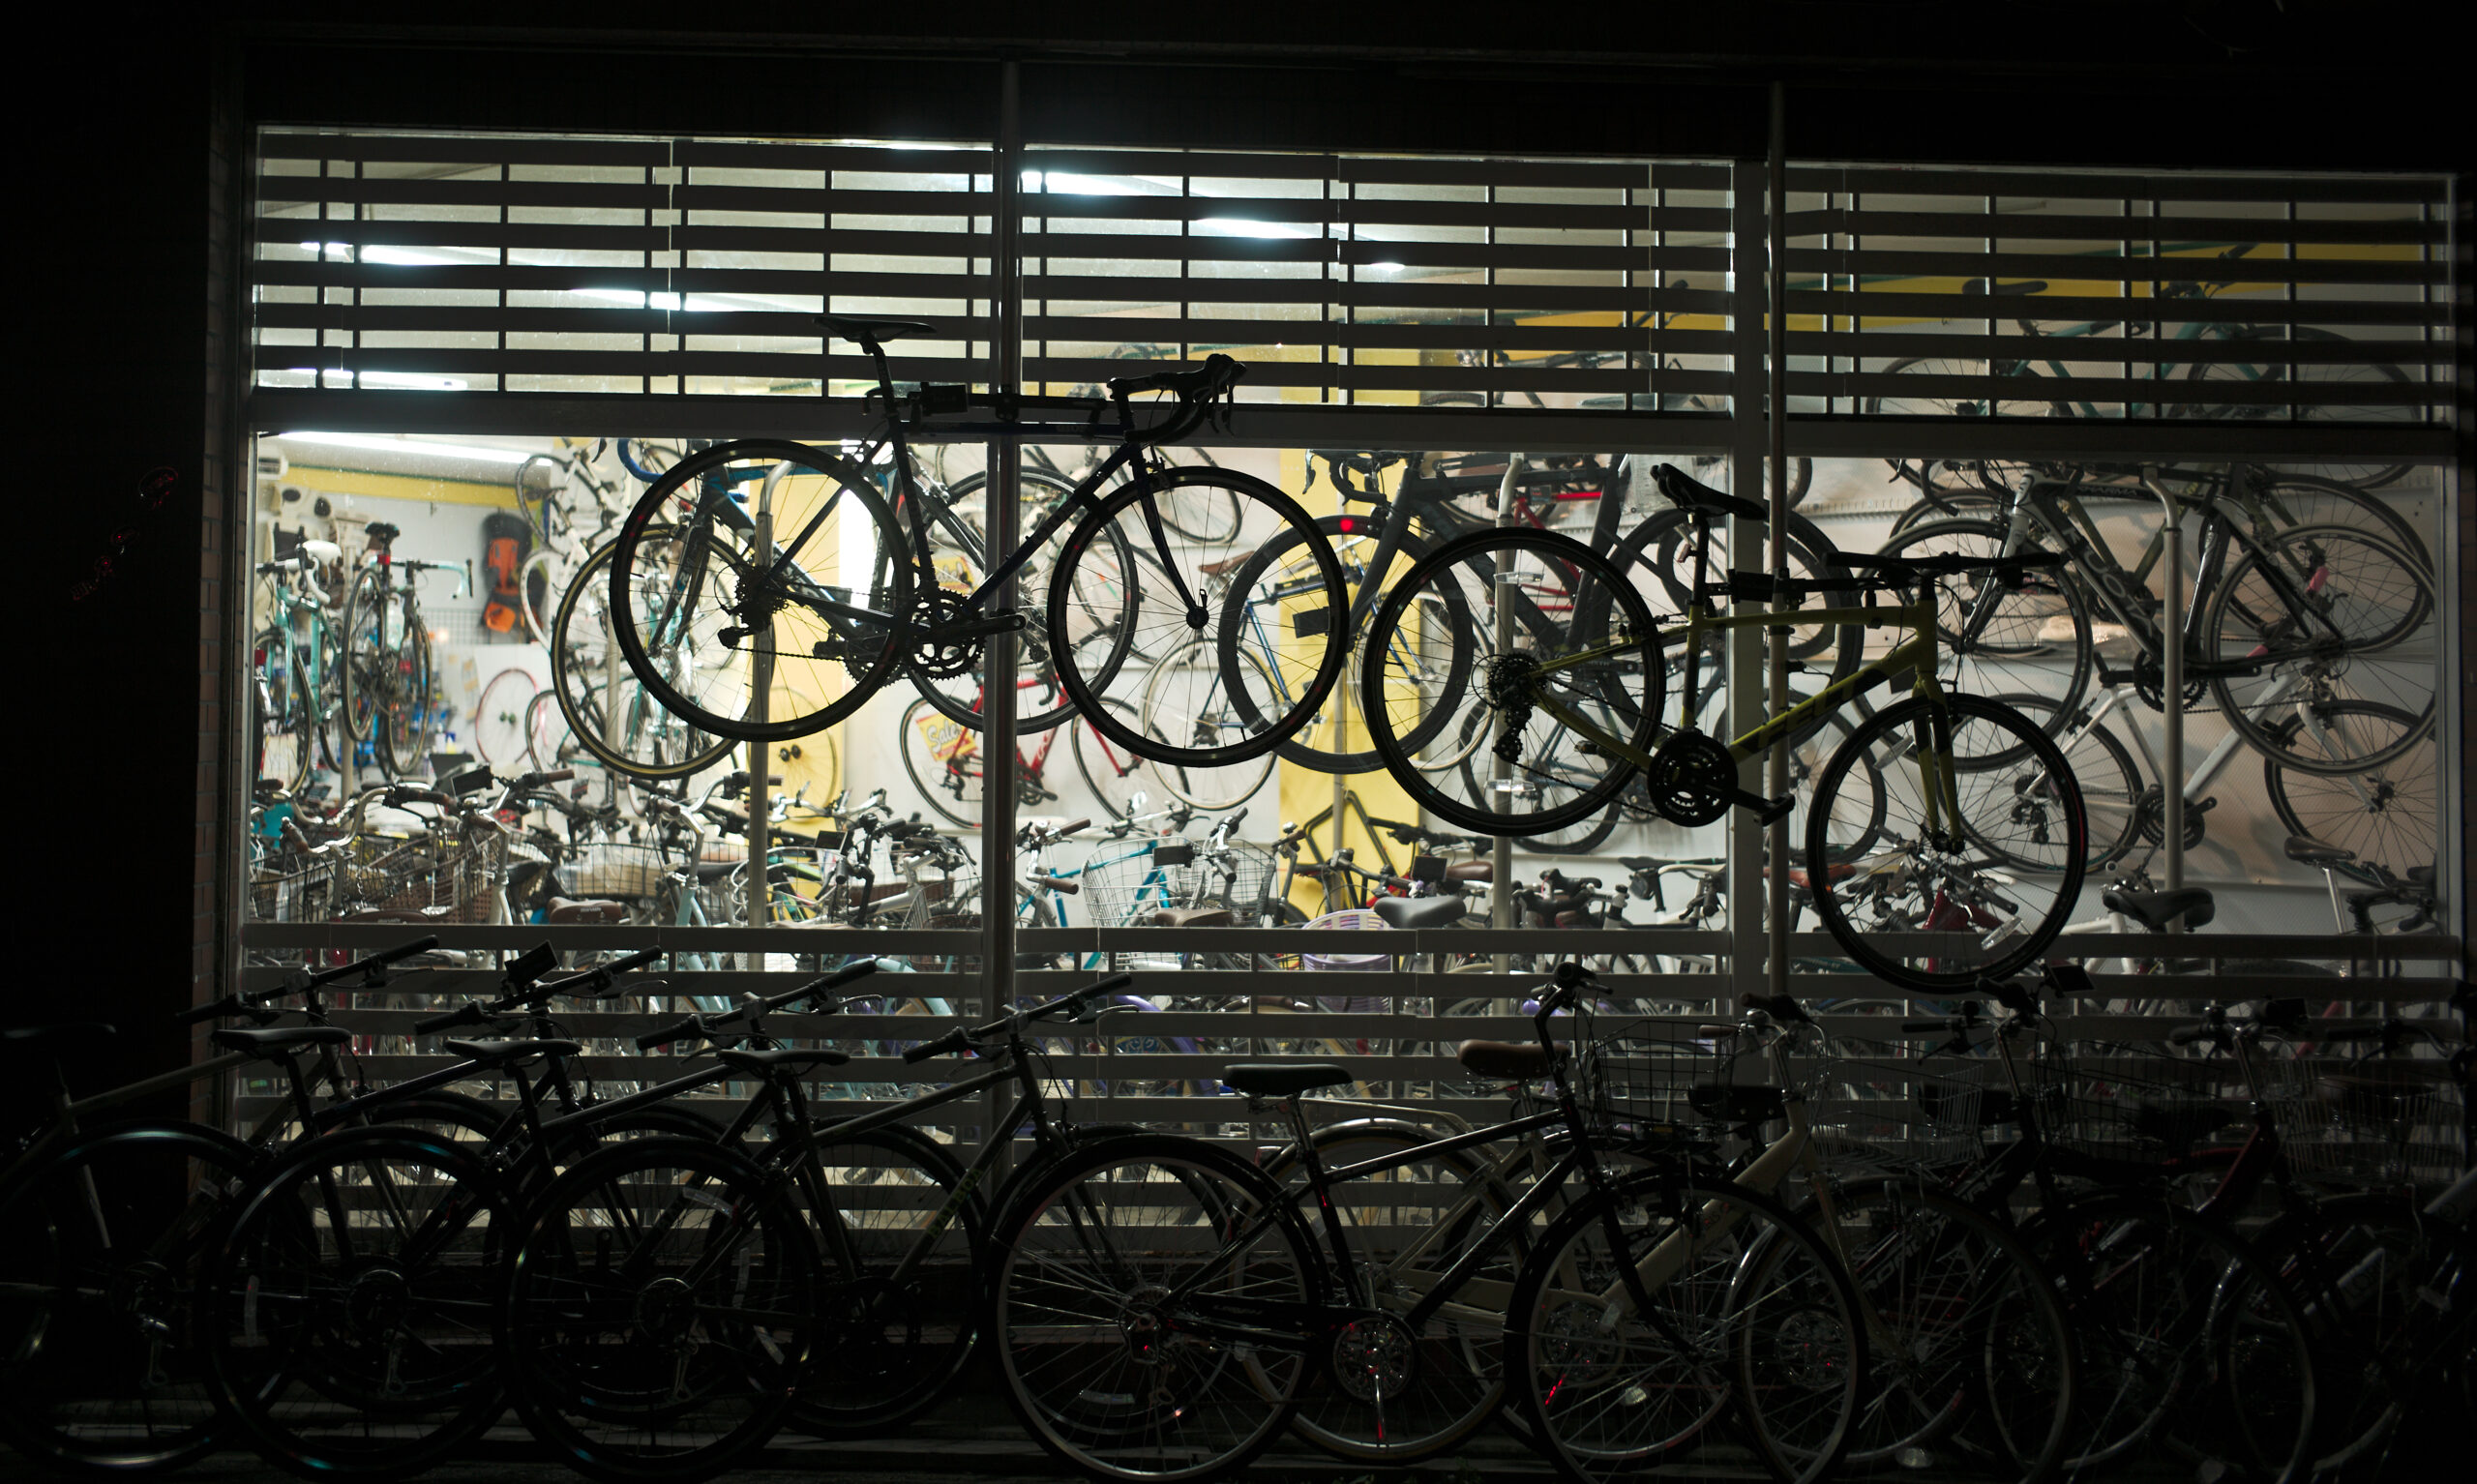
(2171, 625)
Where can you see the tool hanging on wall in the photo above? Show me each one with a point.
(506, 542)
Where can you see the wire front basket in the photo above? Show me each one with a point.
(449, 880)
(1886, 1104)
(1642, 1076)
(617, 868)
(2132, 1104)
(1122, 886)
(2379, 1120)
(1238, 877)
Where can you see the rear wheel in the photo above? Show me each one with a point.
(1994, 638)
(2386, 815)
(2313, 380)
(944, 761)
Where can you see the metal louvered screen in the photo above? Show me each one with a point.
(1924, 292)
(1384, 279)
(497, 262)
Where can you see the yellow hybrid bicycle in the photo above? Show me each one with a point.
(1944, 839)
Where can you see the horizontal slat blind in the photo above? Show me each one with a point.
(2229, 297)
(1383, 280)
(497, 262)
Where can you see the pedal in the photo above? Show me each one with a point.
(1774, 811)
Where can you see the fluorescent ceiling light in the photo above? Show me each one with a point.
(1243, 226)
(639, 300)
(401, 257)
(407, 446)
(1387, 267)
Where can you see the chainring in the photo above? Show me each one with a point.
(2150, 683)
(1691, 778)
(940, 658)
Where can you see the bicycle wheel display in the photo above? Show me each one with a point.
(1280, 643)
(828, 608)
(499, 717)
(1575, 644)
(1145, 1305)
(2387, 814)
(2121, 810)
(285, 712)
(1103, 591)
(385, 672)
(2320, 625)
(1180, 673)
(1975, 1340)
(944, 761)
(107, 1240)
(661, 1308)
(346, 1315)
(608, 713)
(1735, 1303)
(1924, 907)
(1335, 739)
(405, 721)
(1994, 637)
(899, 1299)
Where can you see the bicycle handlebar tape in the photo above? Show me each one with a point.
(664, 1037)
(951, 1042)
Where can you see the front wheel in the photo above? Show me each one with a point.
(826, 610)
(608, 713)
(1281, 642)
(1149, 1309)
(946, 762)
(1966, 782)
(1571, 694)
(1648, 1311)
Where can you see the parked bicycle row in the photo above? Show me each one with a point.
(1736, 1239)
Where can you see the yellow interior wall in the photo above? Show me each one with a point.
(402, 486)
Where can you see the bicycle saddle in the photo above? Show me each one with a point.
(1502, 1058)
(791, 1060)
(1194, 917)
(510, 1051)
(2313, 853)
(2156, 909)
(1687, 492)
(1471, 871)
(593, 911)
(869, 334)
(1283, 1079)
(1419, 911)
(280, 1038)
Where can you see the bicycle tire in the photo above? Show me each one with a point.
(1186, 1406)
(652, 742)
(330, 1383)
(537, 596)
(1659, 544)
(2351, 635)
(954, 784)
(2018, 805)
(625, 1258)
(2356, 1261)
(901, 1349)
(358, 673)
(1449, 1380)
(1461, 583)
(2121, 810)
(2386, 816)
(2158, 1327)
(403, 724)
(282, 710)
(1225, 715)
(1209, 788)
(499, 725)
(1862, 802)
(1609, 1396)
(102, 1373)
(835, 669)
(1981, 1337)
(2363, 476)
(1105, 595)
(2011, 646)
(1354, 538)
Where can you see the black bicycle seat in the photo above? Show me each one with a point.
(1912, 568)
(1420, 911)
(1687, 492)
(871, 335)
(2156, 909)
(793, 1060)
(512, 1051)
(2313, 853)
(1284, 1079)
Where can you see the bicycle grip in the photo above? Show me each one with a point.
(430, 1026)
(1925, 1028)
(1071, 826)
(2187, 1035)
(401, 951)
(847, 974)
(670, 1033)
(230, 1005)
(556, 776)
(951, 1042)
(1059, 884)
(1109, 985)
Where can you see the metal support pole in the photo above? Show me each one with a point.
(2171, 624)
(1776, 403)
(761, 696)
(1748, 309)
(1501, 772)
(1005, 487)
